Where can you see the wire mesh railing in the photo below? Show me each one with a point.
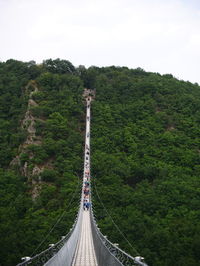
(109, 254)
(63, 250)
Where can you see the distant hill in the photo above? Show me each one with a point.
(145, 151)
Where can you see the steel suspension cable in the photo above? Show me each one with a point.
(59, 218)
(116, 226)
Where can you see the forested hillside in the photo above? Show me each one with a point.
(146, 163)
(145, 154)
(42, 127)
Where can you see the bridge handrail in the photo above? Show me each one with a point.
(47, 254)
(108, 253)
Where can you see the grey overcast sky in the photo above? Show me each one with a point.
(157, 35)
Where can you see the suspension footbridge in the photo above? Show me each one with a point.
(84, 245)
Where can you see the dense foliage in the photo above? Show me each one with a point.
(145, 158)
(31, 205)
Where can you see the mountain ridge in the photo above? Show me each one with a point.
(145, 157)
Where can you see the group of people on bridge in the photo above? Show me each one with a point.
(86, 184)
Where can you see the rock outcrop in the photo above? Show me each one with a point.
(32, 172)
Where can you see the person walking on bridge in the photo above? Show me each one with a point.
(87, 205)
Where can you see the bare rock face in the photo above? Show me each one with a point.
(37, 170)
(28, 124)
(31, 102)
(170, 128)
(36, 188)
(25, 169)
(15, 161)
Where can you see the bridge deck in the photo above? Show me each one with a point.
(85, 254)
